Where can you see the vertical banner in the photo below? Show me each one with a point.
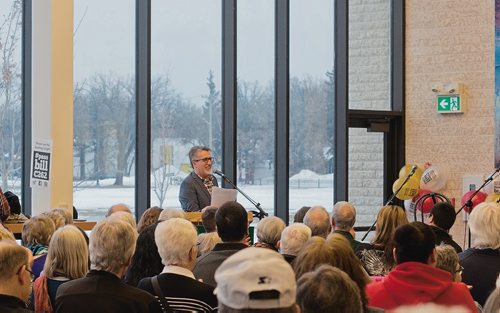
(40, 163)
(497, 83)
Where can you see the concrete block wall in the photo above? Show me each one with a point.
(450, 40)
(369, 89)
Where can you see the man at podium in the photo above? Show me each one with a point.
(196, 189)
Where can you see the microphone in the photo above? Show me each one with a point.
(413, 169)
(217, 172)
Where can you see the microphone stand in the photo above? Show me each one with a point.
(468, 203)
(260, 214)
(390, 200)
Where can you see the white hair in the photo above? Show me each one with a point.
(111, 245)
(293, 238)
(344, 215)
(167, 214)
(124, 217)
(318, 219)
(269, 230)
(175, 238)
(484, 223)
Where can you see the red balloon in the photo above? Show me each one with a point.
(478, 198)
(427, 202)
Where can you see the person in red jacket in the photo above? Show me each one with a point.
(415, 279)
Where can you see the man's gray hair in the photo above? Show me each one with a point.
(269, 230)
(111, 245)
(318, 220)
(344, 215)
(293, 238)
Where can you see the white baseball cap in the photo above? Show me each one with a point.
(256, 278)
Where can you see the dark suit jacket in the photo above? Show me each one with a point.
(443, 237)
(102, 291)
(355, 245)
(193, 195)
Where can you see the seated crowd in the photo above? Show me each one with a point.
(162, 264)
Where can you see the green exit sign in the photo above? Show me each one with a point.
(449, 104)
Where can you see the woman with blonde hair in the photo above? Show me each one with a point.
(67, 259)
(377, 259)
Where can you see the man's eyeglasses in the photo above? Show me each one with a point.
(205, 160)
(32, 275)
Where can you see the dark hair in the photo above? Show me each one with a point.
(443, 215)
(299, 215)
(328, 289)
(414, 242)
(15, 205)
(146, 261)
(232, 221)
(195, 149)
(208, 219)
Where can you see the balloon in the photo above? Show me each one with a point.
(409, 189)
(478, 198)
(405, 170)
(426, 201)
(433, 179)
(493, 197)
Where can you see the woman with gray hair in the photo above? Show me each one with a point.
(484, 256)
(269, 232)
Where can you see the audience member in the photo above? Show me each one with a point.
(344, 258)
(176, 241)
(124, 217)
(149, 217)
(377, 258)
(256, 280)
(169, 213)
(67, 214)
(484, 256)
(269, 232)
(112, 245)
(328, 289)
(232, 226)
(36, 235)
(208, 218)
(492, 305)
(15, 277)
(6, 233)
(146, 261)
(299, 215)
(441, 219)
(343, 219)
(318, 220)
(16, 216)
(67, 259)
(56, 217)
(207, 241)
(293, 238)
(315, 252)
(4, 207)
(447, 259)
(120, 207)
(415, 279)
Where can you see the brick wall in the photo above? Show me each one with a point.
(450, 40)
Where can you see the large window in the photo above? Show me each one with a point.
(312, 82)
(255, 102)
(185, 91)
(104, 105)
(10, 95)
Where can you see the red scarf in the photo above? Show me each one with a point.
(41, 295)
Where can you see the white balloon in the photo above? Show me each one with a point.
(433, 179)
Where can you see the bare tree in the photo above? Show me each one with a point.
(10, 93)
